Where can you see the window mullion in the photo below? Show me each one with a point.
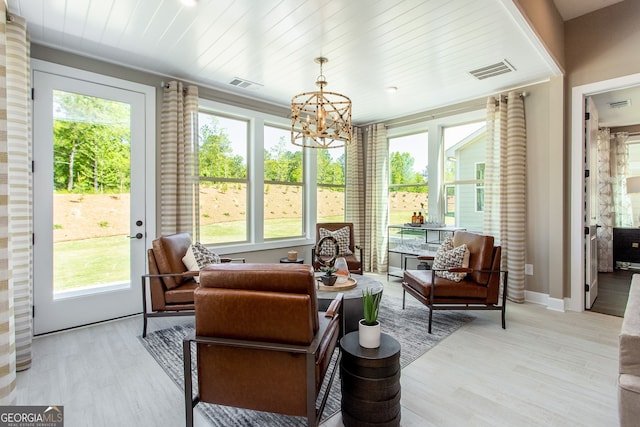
(256, 203)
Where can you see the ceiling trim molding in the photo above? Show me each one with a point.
(524, 24)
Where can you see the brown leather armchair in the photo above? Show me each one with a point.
(480, 288)
(171, 286)
(261, 342)
(354, 263)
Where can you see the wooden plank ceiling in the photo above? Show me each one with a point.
(424, 48)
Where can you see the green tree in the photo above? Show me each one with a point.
(330, 172)
(402, 172)
(91, 143)
(216, 154)
(281, 164)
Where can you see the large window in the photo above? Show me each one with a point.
(409, 177)
(283, 185)
(257, 190)
(331, 185)
(464, 153)
(224, 180)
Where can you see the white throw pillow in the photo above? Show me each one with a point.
(198, 256)
(449, 256)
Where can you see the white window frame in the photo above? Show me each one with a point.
(479, 185)
(435, 129)
(303, 184)
(255, 174)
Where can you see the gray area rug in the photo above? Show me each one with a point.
(408, 326)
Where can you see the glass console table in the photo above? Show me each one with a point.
(407, 242)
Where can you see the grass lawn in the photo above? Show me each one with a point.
(99, 261)
(105, 260)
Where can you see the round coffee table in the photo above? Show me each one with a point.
(352, 303)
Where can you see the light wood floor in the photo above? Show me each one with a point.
(546, 368)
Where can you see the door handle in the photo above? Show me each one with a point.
(137, 236)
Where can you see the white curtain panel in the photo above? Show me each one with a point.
(376, 199)
(179, 160)
(15, 206)
(605, 212)
(355, 185)
(505, 186)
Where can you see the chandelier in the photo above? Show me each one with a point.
(321, 119)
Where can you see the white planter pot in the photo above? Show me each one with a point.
(369, 336)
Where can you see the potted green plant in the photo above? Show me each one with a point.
(328, 278)
(369, 327)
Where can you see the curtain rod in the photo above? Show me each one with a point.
(420, 117)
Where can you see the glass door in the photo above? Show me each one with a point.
(89, 202)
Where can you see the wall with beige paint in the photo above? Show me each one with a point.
(543, 109)
(599, 46)
(603, 44)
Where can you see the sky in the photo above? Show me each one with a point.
(415, 144)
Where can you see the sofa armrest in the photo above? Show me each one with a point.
(335, 306)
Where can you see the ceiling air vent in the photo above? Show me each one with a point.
(492, 70)
(620, 104)
(245, 84)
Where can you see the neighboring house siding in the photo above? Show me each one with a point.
(468, 156)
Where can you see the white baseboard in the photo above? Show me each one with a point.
(555, 304)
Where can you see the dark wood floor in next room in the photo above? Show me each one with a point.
(613, 292)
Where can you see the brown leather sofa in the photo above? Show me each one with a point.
(171, 286)
(262, 344)
(480, 288)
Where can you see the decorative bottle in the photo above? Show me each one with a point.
(414, 218)
(420, 218)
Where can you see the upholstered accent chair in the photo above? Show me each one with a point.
(343, 232)
(171, 285)
(261, 342)
(478, 290)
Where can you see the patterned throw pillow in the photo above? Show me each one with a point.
(198, 256)
(449, 256)
(341, 235)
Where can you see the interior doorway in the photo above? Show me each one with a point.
(580, 199)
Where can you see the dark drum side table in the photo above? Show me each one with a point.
(286, 260)
(370, 382)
